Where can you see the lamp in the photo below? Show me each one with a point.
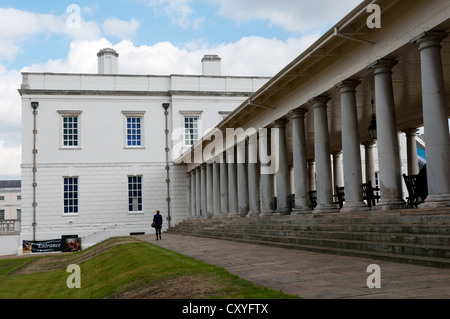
(373, 125)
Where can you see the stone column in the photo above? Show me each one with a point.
(223, 188)
(203, 209)
(301, 177)
(322, 155)
(242, 185)
(188, 197)
(351, 148)
(388, 147)
(216, 188)
(282, 175)
(253, 177)
(198, 192)
(337, 172)
(369, 161)
(435, 117)
(193, 197)
(411, 151)
(232, 184)
(312, 174)
(209, 190)
(267, 188)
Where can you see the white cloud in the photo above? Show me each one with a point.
(120, 28)
(179, 12)
(10, 159)
(17, 26)
(10, 107)
(292, 15)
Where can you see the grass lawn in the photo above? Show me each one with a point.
(125, 268)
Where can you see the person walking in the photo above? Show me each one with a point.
(158, 220)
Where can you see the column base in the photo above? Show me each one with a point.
(354, 207)
(232, 214)
(436, 200)
(300, 210)
(252, 213)
(325, 208)
(390, 204)
(266, 213)
(282, 211)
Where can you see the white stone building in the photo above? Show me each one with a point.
(96, 147)
(10, 200)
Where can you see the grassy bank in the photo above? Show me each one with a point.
(124, 268)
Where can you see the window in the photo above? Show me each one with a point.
(2, 197)
(70, 129)
(190, 130)
(19, 197)
(2, 214)
(19, 213)
(70, 195)
(135, 194)
(134, 129)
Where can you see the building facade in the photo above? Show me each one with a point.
(98, 148)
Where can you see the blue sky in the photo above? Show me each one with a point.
(253, 37)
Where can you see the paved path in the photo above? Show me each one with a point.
(311, 275)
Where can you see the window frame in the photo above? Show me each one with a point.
(187, 114)
(131, 194)
(141, 116)
(66, 114)
(76, 207)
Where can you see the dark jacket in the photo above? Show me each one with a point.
(157, 218)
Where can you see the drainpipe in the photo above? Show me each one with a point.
(34, 105)
(166, 113)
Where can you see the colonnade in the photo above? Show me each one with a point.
(242, 186)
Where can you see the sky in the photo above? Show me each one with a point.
(160, 37)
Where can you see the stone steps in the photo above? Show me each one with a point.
(411, 236)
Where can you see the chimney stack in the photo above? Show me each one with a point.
(211, 65)
(108, 61)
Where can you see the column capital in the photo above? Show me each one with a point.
(336, 153)
(348, 85)
(430, 38)
(298, 113)
(368, 144)
(319, 101)
(383, 66)
(410, 131)
(280, 123)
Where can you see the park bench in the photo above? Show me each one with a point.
(339, 196)
(313, 199)
(417, 189)
(369, 194)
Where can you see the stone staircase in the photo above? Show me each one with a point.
(409, 236)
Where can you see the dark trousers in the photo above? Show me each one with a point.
(158, 232)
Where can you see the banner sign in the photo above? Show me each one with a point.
(46, 246)
(70, 243)
(65, 244)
